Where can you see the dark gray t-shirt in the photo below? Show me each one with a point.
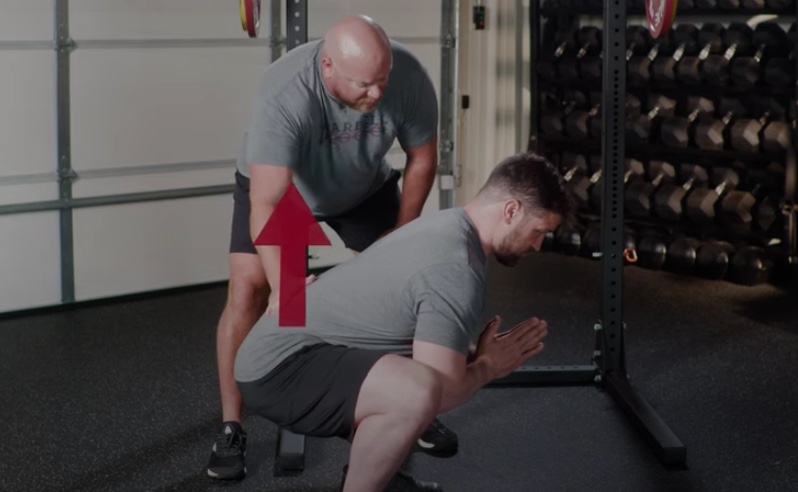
(337, 153)
(424, 281)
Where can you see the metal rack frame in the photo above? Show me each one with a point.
(609, 361)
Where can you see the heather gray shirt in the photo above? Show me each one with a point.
(424, 281)
(337, 153)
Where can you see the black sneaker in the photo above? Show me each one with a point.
(438, 441)
(229, 450)
(402, 482)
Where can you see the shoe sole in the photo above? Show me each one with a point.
(428, 448)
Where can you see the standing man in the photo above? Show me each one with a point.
(325, 116)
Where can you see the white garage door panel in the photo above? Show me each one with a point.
(405, 18)
(146, 246)
(155, 19)
(152, 182)
(27, 115)
(136, 107)
(28, 193)
(30, 265)
(28, 20)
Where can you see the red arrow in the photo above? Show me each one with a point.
(293, 228)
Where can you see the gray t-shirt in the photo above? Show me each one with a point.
(337, 153)
(424, 281)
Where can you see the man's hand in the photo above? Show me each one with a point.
(505, 352)
(273, 308)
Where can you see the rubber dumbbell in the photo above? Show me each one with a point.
(701, 203)
(591, 240)
(742, 211)
(638, 195)
(638, 42)
(568, 238)
(639, 128)
(638, 67)
(751, 265)
(770, 132)
(682, 254)
(652, 249)
(575, 176)
(552, 124)
(633, 169)
(769, 38)
(633, 108)
(710, 41)
(577, 123)
(676, 131)
(669, 198)
(685, 37)
(738, 37)
(588, 40)
(712, 259)
(711, 133)
(779, 71)
(564, 41)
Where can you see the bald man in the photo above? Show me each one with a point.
(325, 116)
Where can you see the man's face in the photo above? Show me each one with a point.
(522, 233)
(359, 85)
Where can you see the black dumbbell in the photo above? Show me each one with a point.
(669, 198)
(588, 40)
(640, 127)
(712, 259)
(780, 70)
(552, 124)
(632, 169)
(639, 193)
(773, 4)
(652, 249)
(738, 37)
(742, 211)
(769, 38)
(575, 175)
(751, 265)
(577, 123)
(685, 37)
(632, 110)
(711, 133)
(701, 203)
(591, 241)
(638, 67)
(710, 39)
(568, 238)
(682, 254)
(676, 131)
(638, 42)
(770, 132)
(564, 41)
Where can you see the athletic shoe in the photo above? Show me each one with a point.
(402, 482)
(438, 441)
(228, 453)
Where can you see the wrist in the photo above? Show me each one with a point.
(484, 364)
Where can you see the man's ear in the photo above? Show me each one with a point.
(512, 208)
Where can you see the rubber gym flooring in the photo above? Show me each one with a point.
(123, 396)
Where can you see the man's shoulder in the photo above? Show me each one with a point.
(289, 80)
(405, 61)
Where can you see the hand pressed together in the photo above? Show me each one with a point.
(505, 352)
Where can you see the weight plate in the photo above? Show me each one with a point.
(250, 16)
(660, 15)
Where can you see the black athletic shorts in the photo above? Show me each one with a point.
(314, 391)
(358, 229)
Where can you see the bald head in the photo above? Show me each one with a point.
(356, 61)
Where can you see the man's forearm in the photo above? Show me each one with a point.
(477, 375)
(269, 255)
(416, 185)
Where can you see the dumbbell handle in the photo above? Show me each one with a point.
(596, 177)
(730, 51)
(654, 111)
(679, 53)
(653, 52)
(689, 183)
(657, 179)
(719, 189)
(569, 174)
(560, 49)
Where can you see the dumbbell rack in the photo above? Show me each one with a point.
(608, 369)
(568, 13)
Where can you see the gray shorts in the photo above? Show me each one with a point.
(358, 228)
(314, 391)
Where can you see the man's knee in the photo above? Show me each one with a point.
(248, 289)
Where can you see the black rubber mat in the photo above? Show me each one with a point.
(123, 396)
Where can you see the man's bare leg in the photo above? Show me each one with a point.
(247, 296)
(397, 401)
